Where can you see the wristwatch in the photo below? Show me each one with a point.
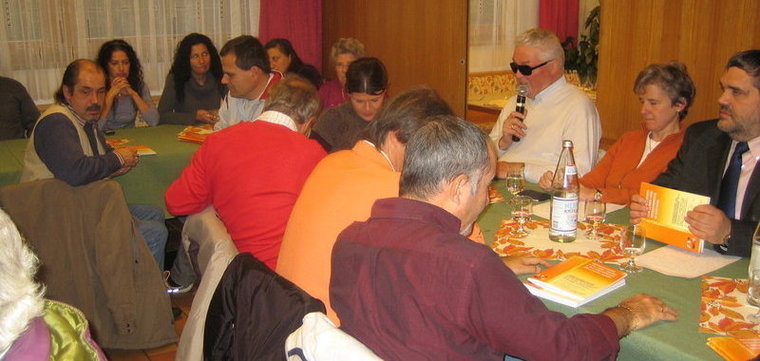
(597, 195)
(723, 248)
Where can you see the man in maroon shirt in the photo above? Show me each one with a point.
(408, 285)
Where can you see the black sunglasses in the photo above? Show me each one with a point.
(526, 70)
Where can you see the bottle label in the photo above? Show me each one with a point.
(564, 217)
(570, 169)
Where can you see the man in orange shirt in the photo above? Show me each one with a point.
(345, 184)
(343, 187)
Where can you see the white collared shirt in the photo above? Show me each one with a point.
(276, 117)
(235, 110)
(559, 112)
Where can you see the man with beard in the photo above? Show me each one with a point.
(718, 159)
(66, 144)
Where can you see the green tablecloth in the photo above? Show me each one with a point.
(677, 340)
(146, 183)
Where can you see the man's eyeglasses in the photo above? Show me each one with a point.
(526, 70)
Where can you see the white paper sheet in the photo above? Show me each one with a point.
(674, 261)
(542, 209)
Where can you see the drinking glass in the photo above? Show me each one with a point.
(753, 292)
(516, 179)
(521, 212)
(632, 242)
(594, 212)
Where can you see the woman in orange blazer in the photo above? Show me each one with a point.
(666, 91)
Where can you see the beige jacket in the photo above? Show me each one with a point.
(94, 258)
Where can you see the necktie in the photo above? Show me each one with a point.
(730, 182)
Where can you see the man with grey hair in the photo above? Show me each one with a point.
(408, 285)
(554, 111)
(718, 158)
(253, 172)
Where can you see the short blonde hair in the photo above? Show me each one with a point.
(546, 41)
(20, 297)
(347, 46)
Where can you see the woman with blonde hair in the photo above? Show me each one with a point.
(344, 52)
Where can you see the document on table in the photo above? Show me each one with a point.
(678, 262)
(542, 209)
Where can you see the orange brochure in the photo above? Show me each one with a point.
(667, 213)
(195, 133)
(142, 150)
(735, 348)
(576, 281)
(122, 143)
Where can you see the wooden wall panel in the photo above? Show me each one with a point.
(702, 34)
(420, 42)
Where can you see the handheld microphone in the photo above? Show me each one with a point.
(522, 92)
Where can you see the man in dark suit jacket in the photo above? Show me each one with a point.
(703, 159)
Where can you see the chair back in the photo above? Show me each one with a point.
(318, 339)
(210, 250)
(253, 311)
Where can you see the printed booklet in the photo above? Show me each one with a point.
(575, 281)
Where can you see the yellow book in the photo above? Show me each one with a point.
(735, 348)
(667, 213)
(576, 281)
(195, 133)
(142, 150)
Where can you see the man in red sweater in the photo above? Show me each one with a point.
(252, 172)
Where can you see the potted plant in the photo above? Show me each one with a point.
(582, 58)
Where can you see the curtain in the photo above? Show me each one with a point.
(299, 21)
(559, 16)
(494, 24)
(38, 38)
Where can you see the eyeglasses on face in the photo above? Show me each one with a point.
(526, 70)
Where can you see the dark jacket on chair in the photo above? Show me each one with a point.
(94, 258)
(253, 311)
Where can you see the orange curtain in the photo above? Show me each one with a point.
(299, 21)
(559, 16)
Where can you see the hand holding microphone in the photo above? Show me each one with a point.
(522, 92)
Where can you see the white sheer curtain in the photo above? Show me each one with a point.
(493, 27)
(38, 38)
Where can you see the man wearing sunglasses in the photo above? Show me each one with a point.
(555, 110)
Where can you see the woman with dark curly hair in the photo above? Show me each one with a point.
(127, 93)
(283, 58)
(193, 88)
